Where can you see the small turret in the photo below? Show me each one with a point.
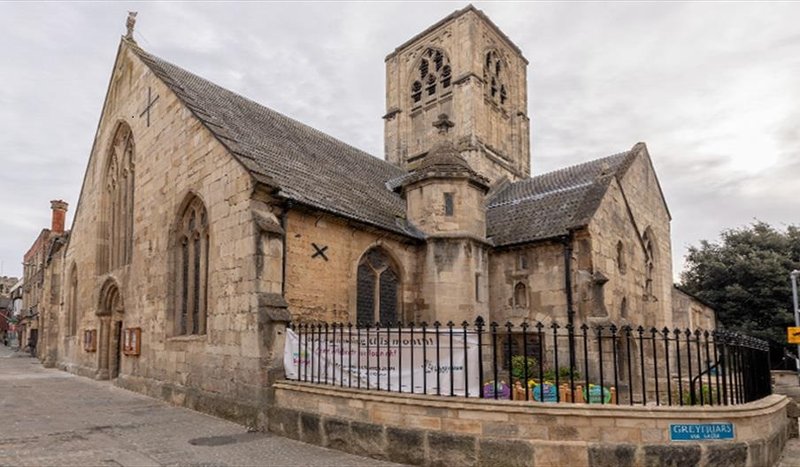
(444, 196)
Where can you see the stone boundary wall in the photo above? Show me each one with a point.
(444, 431)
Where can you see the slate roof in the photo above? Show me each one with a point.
(549, 205)
(306, 165)
(317, 170)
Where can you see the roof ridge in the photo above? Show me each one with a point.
(582, 164)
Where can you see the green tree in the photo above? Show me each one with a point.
(745, 276)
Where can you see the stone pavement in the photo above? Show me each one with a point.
(50, 417)
(791, 453)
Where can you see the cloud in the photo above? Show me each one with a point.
(710, 87)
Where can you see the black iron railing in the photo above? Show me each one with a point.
(612, 365)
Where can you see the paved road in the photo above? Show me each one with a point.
(49, 417)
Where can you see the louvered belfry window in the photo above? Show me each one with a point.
(432, 76)
(494, 75)
(378, 288)
(192, 272)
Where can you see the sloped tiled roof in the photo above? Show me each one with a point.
(306, 165)
(549, 205)
(317, 170)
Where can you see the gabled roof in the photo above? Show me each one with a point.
(302, 163)
(314, 169)
(550, 205)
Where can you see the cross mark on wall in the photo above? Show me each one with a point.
(150, 102)
(319, 251)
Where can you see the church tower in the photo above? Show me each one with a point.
(465, 67)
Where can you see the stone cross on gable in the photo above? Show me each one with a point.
(130, 23)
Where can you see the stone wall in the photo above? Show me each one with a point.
(174, 156)
(689, 312)
(643, 199)
(320, 289)
(430, 430)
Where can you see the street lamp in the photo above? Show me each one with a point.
(795, 274)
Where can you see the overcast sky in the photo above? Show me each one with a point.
(712, 88)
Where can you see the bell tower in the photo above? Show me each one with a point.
(462, 66)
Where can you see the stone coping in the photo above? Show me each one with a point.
(765, 406)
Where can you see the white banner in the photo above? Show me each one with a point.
(395, 360)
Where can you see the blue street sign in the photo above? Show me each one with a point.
(700, 431)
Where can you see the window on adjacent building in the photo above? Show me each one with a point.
(523, 261)
(448, 204)
(191, 268)
(378, 289)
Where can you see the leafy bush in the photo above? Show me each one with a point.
(563, 374)
(518, 367)
(705, 392)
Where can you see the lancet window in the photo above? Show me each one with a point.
(72, 304)
(192, 268)
(649, 265)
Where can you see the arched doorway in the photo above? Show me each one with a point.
(110, 313)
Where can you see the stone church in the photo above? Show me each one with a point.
(204, 216)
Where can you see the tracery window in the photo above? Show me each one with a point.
(494, 76)
(192, 268)
(116, 232)
(378, 289)
(433, 75)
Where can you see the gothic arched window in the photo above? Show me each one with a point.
(494, 76)
(378, 289)
(520, 295)
(72, 304)
(649, 262)
(432, 76)
(191, 271)
(116, 228)
(621, 263)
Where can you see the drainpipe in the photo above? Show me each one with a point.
(567, 241)
(794, 275)
(284, 215)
